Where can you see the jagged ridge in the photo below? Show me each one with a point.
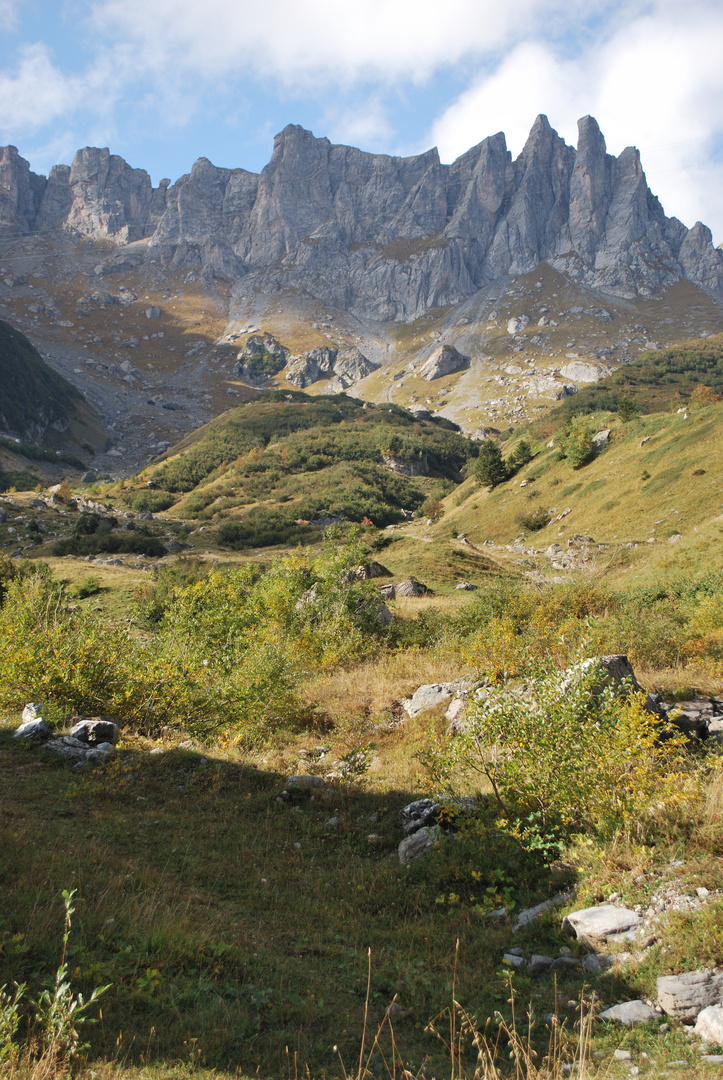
(383, 237)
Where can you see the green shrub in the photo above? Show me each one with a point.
(538, 519)
(577, 445)
(627, 409)
(151, 501)
(87, 586)
(581, 757)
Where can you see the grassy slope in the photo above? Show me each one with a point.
(661, 475)
(225, 943)
(31, 393)
(288, 456)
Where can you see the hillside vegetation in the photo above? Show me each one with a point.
(270, 470)
(654, 382)
(32, 395)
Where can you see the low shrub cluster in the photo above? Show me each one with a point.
(227, 655)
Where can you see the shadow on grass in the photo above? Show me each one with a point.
(233, 926)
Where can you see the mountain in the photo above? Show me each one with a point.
(483, 291)
(382, 237)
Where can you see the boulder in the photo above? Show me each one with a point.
(70, 747)
(684, 996)
(548, 386)
(33, 729)
(601, 439)
(629, 1013)
(419, 843)
(444, 360)
(388, 592)
(425, 813)
(32, 711)
(466, 586)
(383, 615)
(412, 587)
(539, 963)
(709, 1024)
(95, 730)
(516, 325)
(305, 783)
(455, 713)
(580, 371)
(426, 697)
(598, 922)
(415, 815)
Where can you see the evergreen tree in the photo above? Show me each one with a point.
(491, 468)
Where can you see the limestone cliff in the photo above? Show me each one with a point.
(382, 237)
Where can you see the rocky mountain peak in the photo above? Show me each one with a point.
(384, 238)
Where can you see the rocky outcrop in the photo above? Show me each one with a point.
(261, 357)
(382, 237)
(584, 372)
(444, 361)
(347, 366)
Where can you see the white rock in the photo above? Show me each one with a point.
(580, 371)
(629, 1013)
(443, 361)
(32, 711)
(33, 729)
(514, 326)
(600, 921)
(709, 1025)
(429, 695)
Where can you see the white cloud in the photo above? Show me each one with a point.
(657, 82)
(316, 41)
(366, 124)
(36, 93)
(8, 14)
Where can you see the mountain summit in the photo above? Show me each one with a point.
(382, 237)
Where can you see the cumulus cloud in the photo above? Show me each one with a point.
(656, 82)
(36, 92)
(319, 40)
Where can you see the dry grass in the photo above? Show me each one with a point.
(371, 688)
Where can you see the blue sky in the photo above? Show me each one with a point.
(162, 82)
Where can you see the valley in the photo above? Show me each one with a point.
(361, 540)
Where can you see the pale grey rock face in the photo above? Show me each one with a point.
(709, 1024)
(427, 697)
(444, 360)
(581, 371)
(600, 922)
(419, 843)
(630, 1012)
(684, 996)
(348, 366)
(548, 386)
(382, 237)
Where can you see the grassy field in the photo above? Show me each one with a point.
(234, 930)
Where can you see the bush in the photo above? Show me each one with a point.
(538, 519)
(522, 454)
(581, 757)
(627, 409)
(151, 501)
(577, 445)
